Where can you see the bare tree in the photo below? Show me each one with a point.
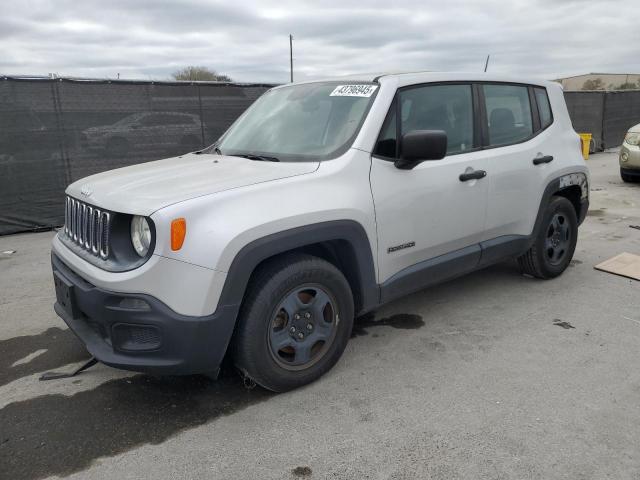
(200, 74)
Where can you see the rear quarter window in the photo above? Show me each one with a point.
(544, 107)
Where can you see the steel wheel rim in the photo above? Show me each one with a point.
(302, 327)
(558, 239)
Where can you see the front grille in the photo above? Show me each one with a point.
(87, 226)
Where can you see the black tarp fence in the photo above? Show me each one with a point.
(55, 131)
(607, 115)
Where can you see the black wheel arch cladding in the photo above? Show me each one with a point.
(574, 187)
(341, 234)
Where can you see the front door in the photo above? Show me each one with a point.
(429, 211)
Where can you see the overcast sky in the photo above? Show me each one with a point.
(248, 39)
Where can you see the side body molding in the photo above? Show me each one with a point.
(350, 235)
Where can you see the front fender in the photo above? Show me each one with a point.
(255, 252)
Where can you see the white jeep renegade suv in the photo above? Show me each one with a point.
(321, 202)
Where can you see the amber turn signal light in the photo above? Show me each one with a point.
(178, 232)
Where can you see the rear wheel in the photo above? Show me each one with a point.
(294, 323)
(555, 243)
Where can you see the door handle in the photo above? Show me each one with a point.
(475, 175)
(545, 159)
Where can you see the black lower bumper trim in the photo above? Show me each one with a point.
(631, 172)
(142, 333)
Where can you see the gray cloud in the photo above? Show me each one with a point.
(248, 40)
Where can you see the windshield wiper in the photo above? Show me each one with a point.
(261, 158)
(207, 150)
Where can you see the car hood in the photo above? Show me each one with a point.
(142, 189)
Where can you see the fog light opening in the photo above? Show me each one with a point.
(134, 304)
(135, 338)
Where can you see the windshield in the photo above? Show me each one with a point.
(307, 122)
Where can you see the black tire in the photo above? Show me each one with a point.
(553, 247)
(253, 345)
(629, 178)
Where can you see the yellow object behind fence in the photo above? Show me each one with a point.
(586, 144)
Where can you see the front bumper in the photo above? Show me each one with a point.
(142, 333)
(631, 172)
(185, 288)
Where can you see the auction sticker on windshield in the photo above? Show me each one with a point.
(353, 91)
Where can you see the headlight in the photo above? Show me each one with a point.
(632, 138)
(140, 235)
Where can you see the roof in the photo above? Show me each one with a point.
(409, 78)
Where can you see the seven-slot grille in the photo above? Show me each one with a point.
(87, 226)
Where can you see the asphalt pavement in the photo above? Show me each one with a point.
(491, 376)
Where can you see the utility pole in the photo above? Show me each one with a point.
(291, 56)
(486, 63)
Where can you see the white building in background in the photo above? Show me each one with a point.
(610, 81)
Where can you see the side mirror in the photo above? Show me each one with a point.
(420, 145)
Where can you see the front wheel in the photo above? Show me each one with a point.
(294, 323)
(555, 242)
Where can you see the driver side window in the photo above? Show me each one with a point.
(431, 107)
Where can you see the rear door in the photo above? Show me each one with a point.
(520, 149)
(428, 211)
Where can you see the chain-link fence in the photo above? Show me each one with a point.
(55, 131)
